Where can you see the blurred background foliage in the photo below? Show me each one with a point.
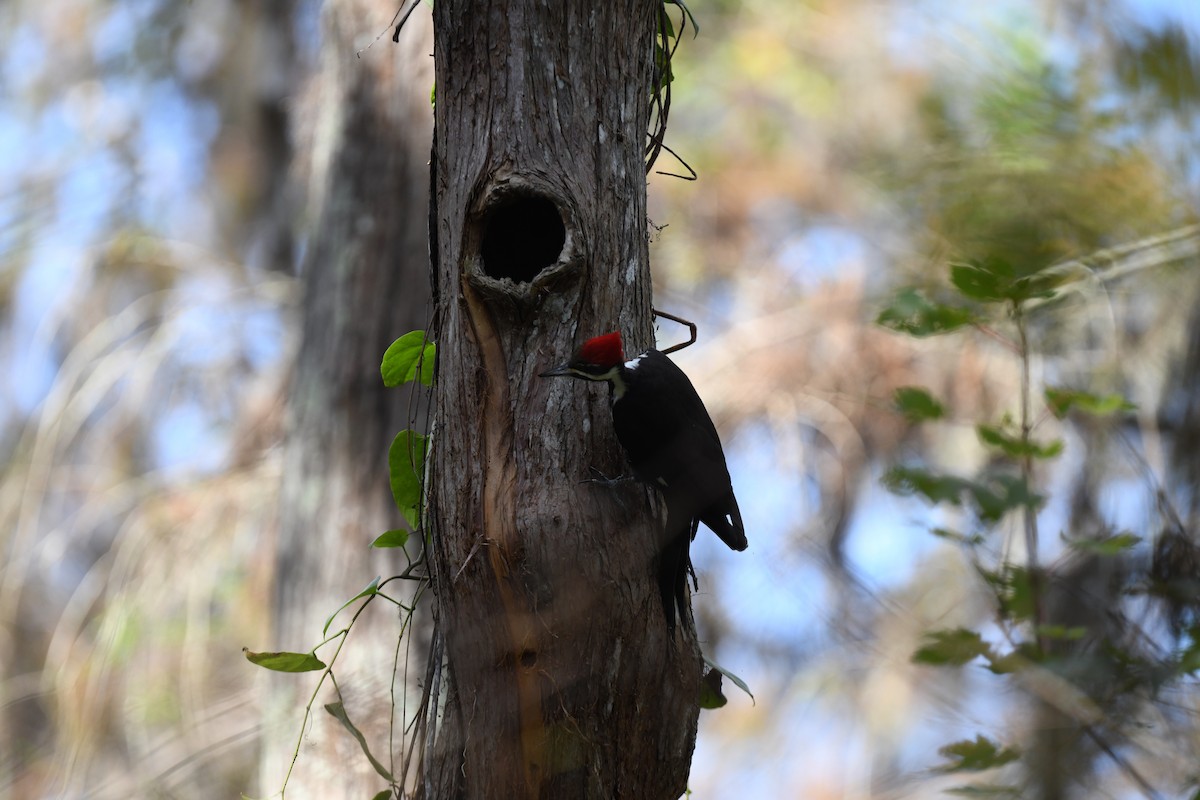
(151, 214)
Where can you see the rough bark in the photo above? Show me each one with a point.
(561, 679)
(367, 127)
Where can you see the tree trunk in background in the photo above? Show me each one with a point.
(560, 678)
(365, 275)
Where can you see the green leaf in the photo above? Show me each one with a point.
(285, 662)
(1022, 656)
(386, 794)
(396, 537)
(955, 536)
(1001, 494)
(662, 60)
(1062, 632)
(1016, 447)
(992, 499)
(406, 467)
(994, 280)
(1189, 659)
(711, 695)
(667, 26)
(741, 684)
(372, 588)
(1108, 546)
(407, 356)
(1061, 401)
(984, 281)
(1007, 664)
(1013, 588)
(908, 481)
(911, 313)
(972, 756)
(951, 648)
(688, 12)
(338, 712)
(985, 790)
(917, 404)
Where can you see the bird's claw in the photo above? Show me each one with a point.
(609, 483)
(602, 479)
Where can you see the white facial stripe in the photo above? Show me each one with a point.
(613, 376)
(617, 384)
(591, 376)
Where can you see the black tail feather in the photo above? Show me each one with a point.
(724, 518)
(674, 565)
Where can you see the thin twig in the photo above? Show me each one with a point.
(692, 176)
(396, 35)
(690, 325)
(431, 709)
(1147, 788)
(1030, 512)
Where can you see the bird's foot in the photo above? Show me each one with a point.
(602, 479)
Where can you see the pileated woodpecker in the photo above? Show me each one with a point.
(672, 445)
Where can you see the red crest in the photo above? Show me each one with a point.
(603, 351)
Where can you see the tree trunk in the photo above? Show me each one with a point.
(368, 127)
(560, 677)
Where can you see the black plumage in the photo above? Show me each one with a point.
(673, 446)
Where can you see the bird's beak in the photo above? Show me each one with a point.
(561, 369)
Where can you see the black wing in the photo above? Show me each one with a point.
(672, 444)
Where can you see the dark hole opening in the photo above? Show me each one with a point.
(521, 237)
